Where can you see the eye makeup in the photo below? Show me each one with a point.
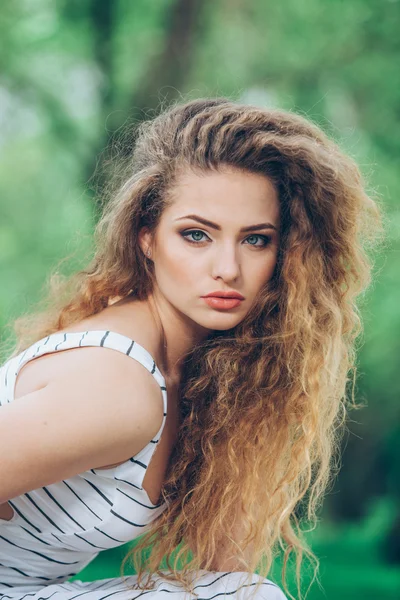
(265, 238)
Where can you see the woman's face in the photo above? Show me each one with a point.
(229, 244)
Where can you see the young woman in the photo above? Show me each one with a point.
(190, 383)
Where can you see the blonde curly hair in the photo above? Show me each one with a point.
(262, 406)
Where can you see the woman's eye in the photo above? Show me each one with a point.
(197, 238)
(194, 232)
(265, 239)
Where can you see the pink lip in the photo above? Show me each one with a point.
(222, 303)
(227, 294)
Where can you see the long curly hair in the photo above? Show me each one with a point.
(262, 406)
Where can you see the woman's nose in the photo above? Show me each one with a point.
(226, 263)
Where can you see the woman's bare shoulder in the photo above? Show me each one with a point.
(126, 317)
(44, 369)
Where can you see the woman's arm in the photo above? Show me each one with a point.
(96, 414)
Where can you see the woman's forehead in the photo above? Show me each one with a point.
(232, 193)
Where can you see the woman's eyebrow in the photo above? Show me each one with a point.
(216, 226)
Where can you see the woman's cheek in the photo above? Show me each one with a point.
(179, 267)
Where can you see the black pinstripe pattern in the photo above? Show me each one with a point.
(79, 517)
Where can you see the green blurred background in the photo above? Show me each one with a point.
(73, 72)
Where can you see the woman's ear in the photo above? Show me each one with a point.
(144, 240)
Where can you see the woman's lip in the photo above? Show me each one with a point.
(222, 303)
(216, 295)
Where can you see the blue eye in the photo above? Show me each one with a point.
(185, 234)
(266, 239)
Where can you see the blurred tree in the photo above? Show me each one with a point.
(72, 73)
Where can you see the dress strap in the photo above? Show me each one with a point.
(59, 341)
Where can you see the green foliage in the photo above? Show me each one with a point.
(73, 72)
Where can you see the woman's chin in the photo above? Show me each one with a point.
(220, 322)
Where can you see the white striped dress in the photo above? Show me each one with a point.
(58, 529)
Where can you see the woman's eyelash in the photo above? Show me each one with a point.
(185, 234)
(266, 238)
